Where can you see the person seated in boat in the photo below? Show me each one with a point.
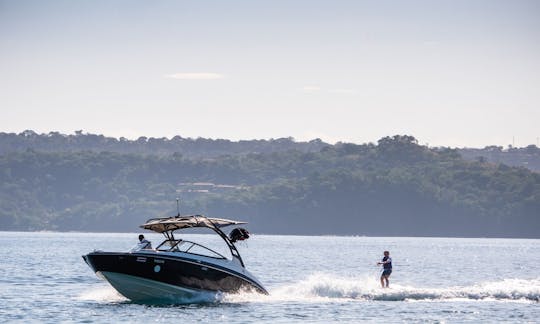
(144, 244)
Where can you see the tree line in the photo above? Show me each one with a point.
(195, 148)
(528, 157)
(393, 187)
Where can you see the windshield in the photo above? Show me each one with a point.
(188, 247)
(140, 246)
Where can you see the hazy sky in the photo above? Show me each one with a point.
(450, 73)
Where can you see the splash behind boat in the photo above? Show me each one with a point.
(177, 271)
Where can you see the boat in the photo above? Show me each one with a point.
(177, 271)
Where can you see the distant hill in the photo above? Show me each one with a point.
(527, 157)
(395, 187)
(189, 147)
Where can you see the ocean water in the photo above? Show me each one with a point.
(310, 279)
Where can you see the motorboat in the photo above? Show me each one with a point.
(177, 271)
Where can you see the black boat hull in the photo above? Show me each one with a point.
(147, 277)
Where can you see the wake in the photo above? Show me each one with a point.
(329, 288)
(105, 294)
(324, 287)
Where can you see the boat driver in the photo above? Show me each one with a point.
(144, 243)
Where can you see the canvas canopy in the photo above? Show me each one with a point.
(165, 224)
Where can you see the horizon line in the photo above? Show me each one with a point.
(292, 138)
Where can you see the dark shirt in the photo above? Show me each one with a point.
(389, 264)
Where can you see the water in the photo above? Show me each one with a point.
(314, 279)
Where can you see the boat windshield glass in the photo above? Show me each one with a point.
(188, 247)
(139, 247)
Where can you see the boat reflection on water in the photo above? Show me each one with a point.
(177, 271)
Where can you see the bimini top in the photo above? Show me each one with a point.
(165, 224)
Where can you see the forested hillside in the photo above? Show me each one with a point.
(189, 147)
(528, 157)
(394, 187)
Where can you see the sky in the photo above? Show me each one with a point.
(450, 73)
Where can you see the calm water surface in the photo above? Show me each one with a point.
(313, 279)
